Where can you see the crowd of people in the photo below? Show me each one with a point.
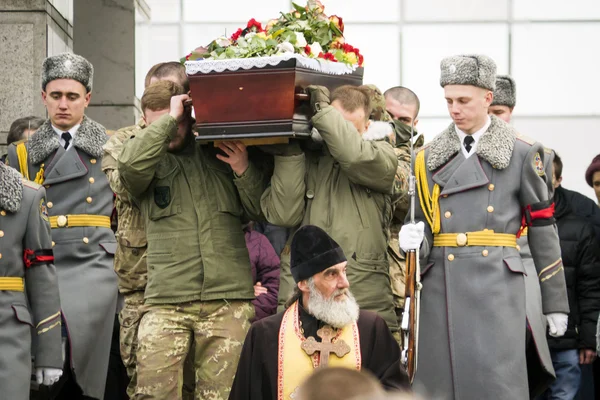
(150, 265)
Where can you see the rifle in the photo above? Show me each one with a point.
(410, 317)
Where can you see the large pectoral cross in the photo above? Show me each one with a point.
(326, 333)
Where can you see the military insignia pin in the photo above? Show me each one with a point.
(44, 210)
(538, 164)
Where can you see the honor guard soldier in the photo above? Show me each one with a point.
(26, 263)
(65, 155)
(479, 184)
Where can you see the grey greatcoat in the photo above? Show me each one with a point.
(25, 235)
(473, 317)
(76, 185)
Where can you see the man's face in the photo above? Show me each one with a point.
(502, 112)
(357, 117)
(333, 282)
(327, 297)
(183, 126)
(403, 112)
(596, 183)
(468, 106)
(66, 101)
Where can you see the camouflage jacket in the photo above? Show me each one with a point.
(130, 258)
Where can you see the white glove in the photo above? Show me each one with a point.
(48, 376)
(557, 324)
(411, 236)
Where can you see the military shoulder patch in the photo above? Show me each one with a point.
(538, 165)
(44, 210)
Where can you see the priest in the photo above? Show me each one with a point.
(322, 326)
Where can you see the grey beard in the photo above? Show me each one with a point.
(333, 312)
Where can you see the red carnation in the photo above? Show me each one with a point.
(330, 57)
(254, 23)
(187, 58)
(360, 60)
(307, 49)
(236, 35)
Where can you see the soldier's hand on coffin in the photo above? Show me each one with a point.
(47, 376)
(236, 156)
(557, 324)
(319, 97)
(288, 149)
(411, 236)
(178, 107)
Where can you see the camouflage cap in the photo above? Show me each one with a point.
(378, 112)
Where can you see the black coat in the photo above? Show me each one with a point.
(581, 260)
(584, 207)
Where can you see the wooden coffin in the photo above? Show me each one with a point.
(257, 103)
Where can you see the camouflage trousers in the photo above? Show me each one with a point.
(129, 318)
(217, 329)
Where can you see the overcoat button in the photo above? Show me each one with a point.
(491, 187)
(490, 209)
(91, 180)
(89, 199)
(93, 161)
(50, 204)
(485, 253)
(86, 240)
(447, 214)
(310, 193)
(451, 257)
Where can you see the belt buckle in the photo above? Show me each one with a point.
(62, 221)
(461, 239)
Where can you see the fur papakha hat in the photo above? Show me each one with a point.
(506, 92)
(313, 251)
(67, 66)
(469, 69)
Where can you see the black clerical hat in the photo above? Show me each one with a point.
(313, 251)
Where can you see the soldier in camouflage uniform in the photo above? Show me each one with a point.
(401, 142)
(354, 167)
(130, 257)
(199, 278)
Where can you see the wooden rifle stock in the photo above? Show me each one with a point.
(410, 309)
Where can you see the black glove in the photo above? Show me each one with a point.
(319, 97)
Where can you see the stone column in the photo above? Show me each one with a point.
(105, 35)
(30, 30)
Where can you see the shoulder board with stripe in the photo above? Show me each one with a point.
(526, 139)
(31, 184)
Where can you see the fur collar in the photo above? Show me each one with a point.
(11, 189)
(90, 138)
(495, 145)
(378, 130)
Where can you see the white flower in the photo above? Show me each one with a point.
(285, 47)
(300, 39)
(315, 49)
(249, 35)
(223, 41)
